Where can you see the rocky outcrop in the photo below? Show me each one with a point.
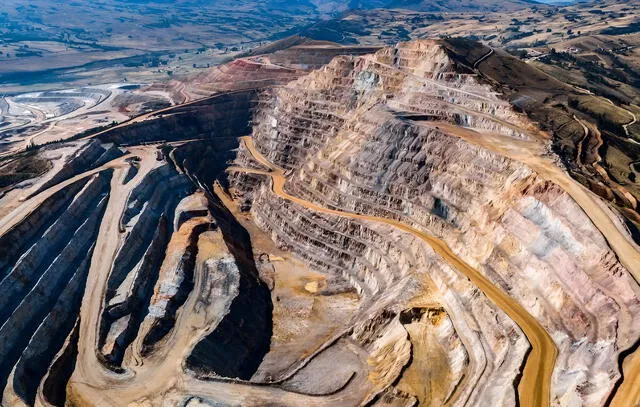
(238, 343)
(175, 283)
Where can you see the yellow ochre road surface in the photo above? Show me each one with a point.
(530, 154)
(628, 394)
(535, 385)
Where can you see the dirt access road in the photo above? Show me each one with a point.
(532, 155)
(535, 386)
(31, 204)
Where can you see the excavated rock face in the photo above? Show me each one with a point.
(45, 263)
(332, 259)
(378, 135)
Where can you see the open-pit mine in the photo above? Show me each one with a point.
(316, 225)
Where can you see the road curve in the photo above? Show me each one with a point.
(485, 56)
(532, 155)
(535, 385)
(628, 394)
(22, 211)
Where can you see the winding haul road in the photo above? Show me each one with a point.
(163, 375)
(528, 153)
(485, 56)
(534, 389)
(535, 386)
(22, 211)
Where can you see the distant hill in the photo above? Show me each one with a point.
(443, 5)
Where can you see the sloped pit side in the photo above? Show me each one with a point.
(45, 305)
(24, 234)
(39, 356)
(33, 264)
(145, 191)
(162, 325)
(91, 155)
(236, 347)
(224, 115)
(207, 160)
(148, 221)
(53, 386)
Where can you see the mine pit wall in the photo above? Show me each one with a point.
(184, 216)
(202, 162)
(239, 342)
(137, 303)
(20, 237)
(387, 342)
(131, 173)
(420, 320)
(355, 256)
(162, 200)
(494, 346)
(311, 110)
(207, 160)
(335, 246)
(186, 267)
(480, 203)
(583, 154)
(429, 211)
(52, 390)
(30, 268)
(91, 155)
(36, 360)
(139, 258)
(46, 314)
(149, 191)
(235, 348)
(224, 115)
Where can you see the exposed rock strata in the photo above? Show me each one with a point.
(42, 292)
(358, 135)
(203, 289)
(91, 155)
(223, 115)
(148, 220)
